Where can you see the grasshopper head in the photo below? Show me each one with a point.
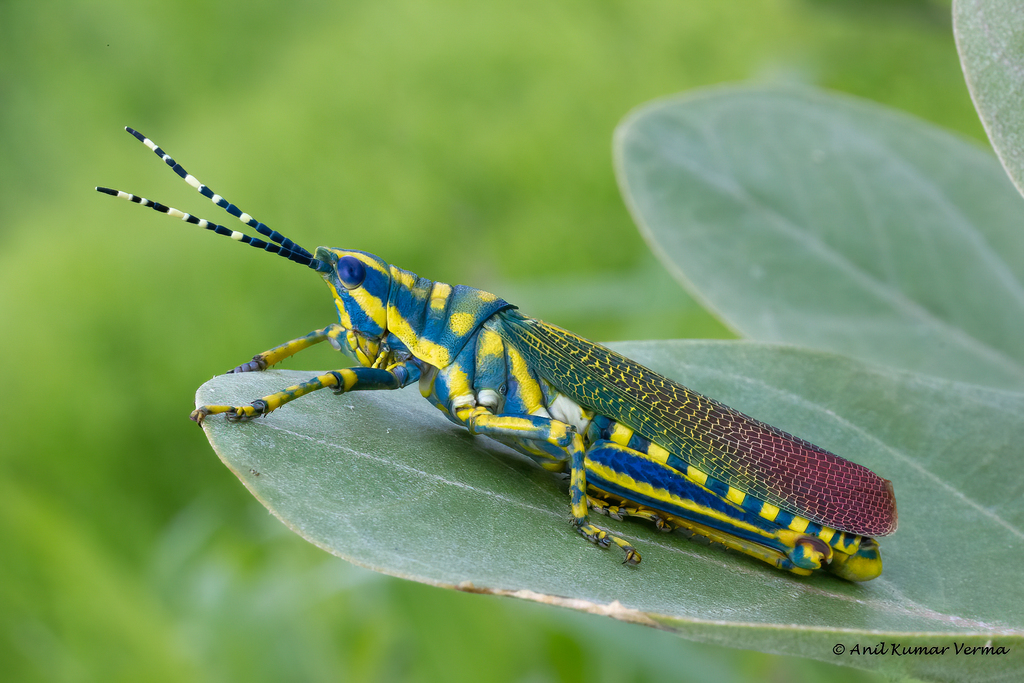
(360, 283)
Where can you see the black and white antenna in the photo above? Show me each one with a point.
(280, 244)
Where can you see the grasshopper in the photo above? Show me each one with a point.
(635, 443)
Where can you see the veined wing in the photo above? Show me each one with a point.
(762, 460)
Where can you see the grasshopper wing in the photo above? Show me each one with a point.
(761, 460)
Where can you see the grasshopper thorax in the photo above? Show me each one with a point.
(379, 302)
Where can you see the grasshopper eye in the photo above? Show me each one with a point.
(351, 271)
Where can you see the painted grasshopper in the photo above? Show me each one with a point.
(635, 443)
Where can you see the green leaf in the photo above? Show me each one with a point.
(383, 480)
(836, 224)
(990, 39)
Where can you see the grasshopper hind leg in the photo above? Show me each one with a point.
(564, 440)
(628, 483)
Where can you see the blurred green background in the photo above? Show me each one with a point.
(469, 142)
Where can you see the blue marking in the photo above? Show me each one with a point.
(603, 424)
(514, 404)
(638, 443)
(841, 539)
(784, 518)
(490, 371)
(396, 344)
(549, 392)
(718, 486)
(752, 504)
(868, 551)
(676, 463)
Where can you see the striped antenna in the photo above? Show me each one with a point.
(287, 248)
(304, 257)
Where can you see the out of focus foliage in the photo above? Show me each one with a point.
(467, 141)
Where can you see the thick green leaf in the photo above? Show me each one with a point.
(832, 223)
(990, 39)
(384, 481)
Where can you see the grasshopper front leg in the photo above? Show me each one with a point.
(262, 361)
(341, 381)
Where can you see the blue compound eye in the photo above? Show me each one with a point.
(351, 271)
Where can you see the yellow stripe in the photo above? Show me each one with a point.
(404, 277)
(696, 475)
(372, 306)
(799, 524)
(458, 384)
(489, 345)
(769, 512)
(849, 543)
(460, 323)
(735, 495)
(620, 434)
(438, 295)
(529, 390)
(424, 349)
(657, 453)
(343, 316)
